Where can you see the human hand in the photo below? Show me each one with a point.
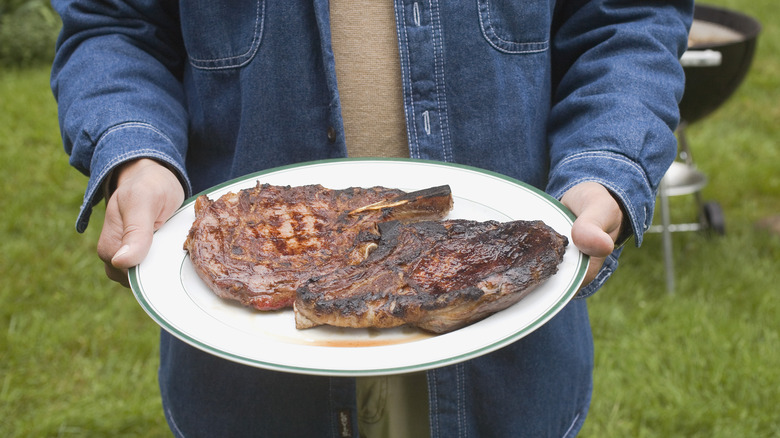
(147, 194)
(598, 222)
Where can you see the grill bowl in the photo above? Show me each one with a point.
(708, 87)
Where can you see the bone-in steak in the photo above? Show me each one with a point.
(258, 246)
(436, 275)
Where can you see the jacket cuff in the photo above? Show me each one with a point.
(624, 178)
(607, 269)
(123, 143)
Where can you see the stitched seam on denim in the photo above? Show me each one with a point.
(601, 277)
(622, 194)
(630, 206)
(260, 6)
(533, 46)
(331, 408)
(172, 424)
(433, 401)
(461, 385)
(490, 34)
(125, 125)
(93, 192)
(249, 54)
(113, 162)
(438, 71)
(138, 153)
(609, 155)
(571, 426)
(407, 78)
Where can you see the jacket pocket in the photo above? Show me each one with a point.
(515, 26)
(222, 34)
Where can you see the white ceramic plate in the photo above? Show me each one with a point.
(169, 290)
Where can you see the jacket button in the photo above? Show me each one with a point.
(331, 134)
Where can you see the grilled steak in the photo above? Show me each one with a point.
(436, 275)
(258, 246)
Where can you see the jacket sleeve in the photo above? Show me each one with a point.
(617, 84)
(117, 80)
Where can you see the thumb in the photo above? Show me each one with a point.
(597, 225)
(590, 235)
(136, 240)
(598, 218)
(127, 232)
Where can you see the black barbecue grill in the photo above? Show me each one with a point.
(721, 47)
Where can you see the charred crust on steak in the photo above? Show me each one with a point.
(436, 275)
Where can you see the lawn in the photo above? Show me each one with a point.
(704, 362)
(78, 356)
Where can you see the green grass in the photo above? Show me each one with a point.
(704, 362)
(78, 356)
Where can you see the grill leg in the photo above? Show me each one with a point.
(667, 240)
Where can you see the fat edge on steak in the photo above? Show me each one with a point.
(435, 275)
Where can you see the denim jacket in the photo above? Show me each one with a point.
(551, 93)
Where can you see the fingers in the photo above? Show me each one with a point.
(111, 240)
(117, 275)
(147, 194)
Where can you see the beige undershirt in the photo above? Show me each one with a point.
(368, 71)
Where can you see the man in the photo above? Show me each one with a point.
(159, 101)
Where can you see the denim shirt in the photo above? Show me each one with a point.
(551, 93)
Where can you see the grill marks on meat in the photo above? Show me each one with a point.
(258, 246)
(436, 275)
